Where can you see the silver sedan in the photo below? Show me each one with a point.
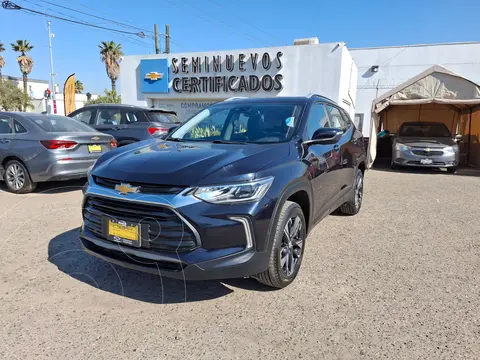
(36, 148)
(425, 144)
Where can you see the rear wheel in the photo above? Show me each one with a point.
(353, 206)
(17, 178)
(288, 247)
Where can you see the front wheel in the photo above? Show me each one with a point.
(451, 170)
(288, 247)
(17, 178)
(352, 207)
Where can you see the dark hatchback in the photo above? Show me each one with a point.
(233, 192)
(127, 123)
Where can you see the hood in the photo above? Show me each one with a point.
(432, 142)
(189, 163)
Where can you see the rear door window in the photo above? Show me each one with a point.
(19, 128)
(336, 118)
(108, 117)
(5, 125)
(85, 116)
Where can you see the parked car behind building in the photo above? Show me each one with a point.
(127, 123)
(36, 148)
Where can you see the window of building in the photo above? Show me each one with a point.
(358, 121)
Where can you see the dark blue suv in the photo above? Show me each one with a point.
(233, 192)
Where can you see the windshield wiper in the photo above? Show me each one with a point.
(228, 142)
(175, 139)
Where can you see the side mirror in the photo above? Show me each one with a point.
(325, 136)
(458, 138)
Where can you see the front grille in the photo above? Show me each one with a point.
(142, 187)
(419, 163)
(166, 230)
(428, 153)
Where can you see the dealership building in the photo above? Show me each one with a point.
(354, 78)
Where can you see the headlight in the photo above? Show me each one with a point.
(233, 193)
(401, 147)
(449, 150)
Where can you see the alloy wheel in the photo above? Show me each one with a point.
(15, 176)
(292, 244)
(358, 190)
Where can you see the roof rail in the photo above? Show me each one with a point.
(236, 98)
(310, 95)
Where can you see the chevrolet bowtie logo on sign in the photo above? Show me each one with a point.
(154, 76)
(125, 189)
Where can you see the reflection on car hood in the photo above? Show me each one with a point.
(189, 163)
(426, 141)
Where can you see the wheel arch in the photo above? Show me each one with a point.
(299, 192)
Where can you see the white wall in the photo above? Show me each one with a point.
(325, 69)
(398, 64)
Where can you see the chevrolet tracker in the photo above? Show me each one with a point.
(232, 192)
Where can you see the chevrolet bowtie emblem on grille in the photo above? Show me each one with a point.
(125, 189)
(427, 149)
(154, 76)
(95, 138)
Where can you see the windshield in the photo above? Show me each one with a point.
(230, 122)
(167, 118)
(55, 123)
(424, 130)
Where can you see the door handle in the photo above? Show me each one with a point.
(116, 128)
(336, 148)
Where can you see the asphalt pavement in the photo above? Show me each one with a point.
(401, 280)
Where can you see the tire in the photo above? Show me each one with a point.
(286, 256)
(17, 178)
(353, 206)
(451, 170)
(393, 166)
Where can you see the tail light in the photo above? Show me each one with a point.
(58, 144)
(157, 131)
(113, 143)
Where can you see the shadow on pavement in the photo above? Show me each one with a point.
(53, 187)
(66, 253)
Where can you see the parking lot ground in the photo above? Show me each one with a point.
(401, 280)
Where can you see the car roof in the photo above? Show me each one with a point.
(281, 99)
(126, 106)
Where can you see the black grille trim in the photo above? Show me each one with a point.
(165, 228)
(428, 153)
(142, 187)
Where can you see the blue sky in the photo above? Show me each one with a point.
(219, 24)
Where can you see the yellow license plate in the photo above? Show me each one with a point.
(94, 148)
(129, 232)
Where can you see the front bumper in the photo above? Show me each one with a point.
(434, 159)
(231, 239)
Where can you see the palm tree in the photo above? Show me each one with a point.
(78, 87)
(2, 60)
(25, 62)
(111, 53)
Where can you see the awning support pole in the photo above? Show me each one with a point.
(469, 137)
